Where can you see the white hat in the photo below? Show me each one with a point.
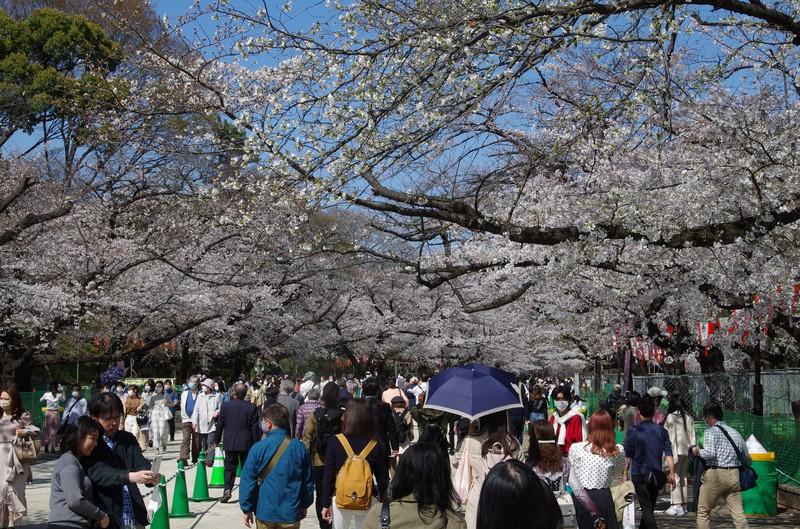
(655, 391)
(208, 382)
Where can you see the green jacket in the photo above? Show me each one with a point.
(404, 515)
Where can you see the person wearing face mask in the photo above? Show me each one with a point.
(191, 440)
(52, 400)
(569, 425)
(204, 418)
(133, 406)
(76, 407)
(171, 402)
(144, 416)
(158, 418)
(14, 422)
(277, 485)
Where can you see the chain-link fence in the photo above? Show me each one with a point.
(733, 390)
(31, 403)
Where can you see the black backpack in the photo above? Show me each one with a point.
(329, 424)
(402, 427)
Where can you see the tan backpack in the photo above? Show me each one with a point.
(354, 480)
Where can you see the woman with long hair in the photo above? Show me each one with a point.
(421, 492)
(680, 426)
(360, 437)
(593, 465)
(71, 497)
(488, 441)
(52, 400)
(14, 422)
(513, 497)
(545, 458)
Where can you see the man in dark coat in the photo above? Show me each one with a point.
(117, 466)
(384, 421)
(238, 419)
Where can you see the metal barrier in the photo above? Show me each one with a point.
(733, 390)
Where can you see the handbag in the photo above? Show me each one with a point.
(27, 448)
(462, 480)
(747, 476)
(629, 517)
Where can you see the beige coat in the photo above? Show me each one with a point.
(405, 515)
(472, 452)
(679, 437)
(13, 474)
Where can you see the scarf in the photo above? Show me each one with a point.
(562, 424)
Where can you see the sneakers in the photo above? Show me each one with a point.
(226, 497)
(676, 510)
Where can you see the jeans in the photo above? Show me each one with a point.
(647, 494)
(537, 417)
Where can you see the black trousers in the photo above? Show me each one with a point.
(319, 474)
(171, 424)
(647, 494)
(232, 460)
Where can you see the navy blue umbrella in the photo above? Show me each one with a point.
(473, 390)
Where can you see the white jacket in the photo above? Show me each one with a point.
(206, 409)
(679, 437)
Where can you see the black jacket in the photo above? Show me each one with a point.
(109, 471)
(384, 424)
(239, 420)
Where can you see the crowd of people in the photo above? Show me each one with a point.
(361, 451)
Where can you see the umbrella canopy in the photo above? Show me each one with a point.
(473, 390)
(110, 376)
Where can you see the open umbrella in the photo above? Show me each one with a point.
(113, 375)
(473, 390)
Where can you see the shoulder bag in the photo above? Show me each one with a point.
(27, 448)
(747, 476)
(274, 460)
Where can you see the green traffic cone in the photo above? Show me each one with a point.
(180, 498)
(218, 472)
(161, 516)
(239, 469)
(201, 480)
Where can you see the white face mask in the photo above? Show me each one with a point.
(216, 387)
(76, 394)
(562, 405)
(130, 393)
(5, 405)
(147, 388)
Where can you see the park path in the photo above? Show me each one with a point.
(215, 515)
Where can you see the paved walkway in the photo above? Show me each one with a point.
(214, 515)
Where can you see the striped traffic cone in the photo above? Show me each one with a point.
(218, 472)
(201, 481)
(180, 498)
